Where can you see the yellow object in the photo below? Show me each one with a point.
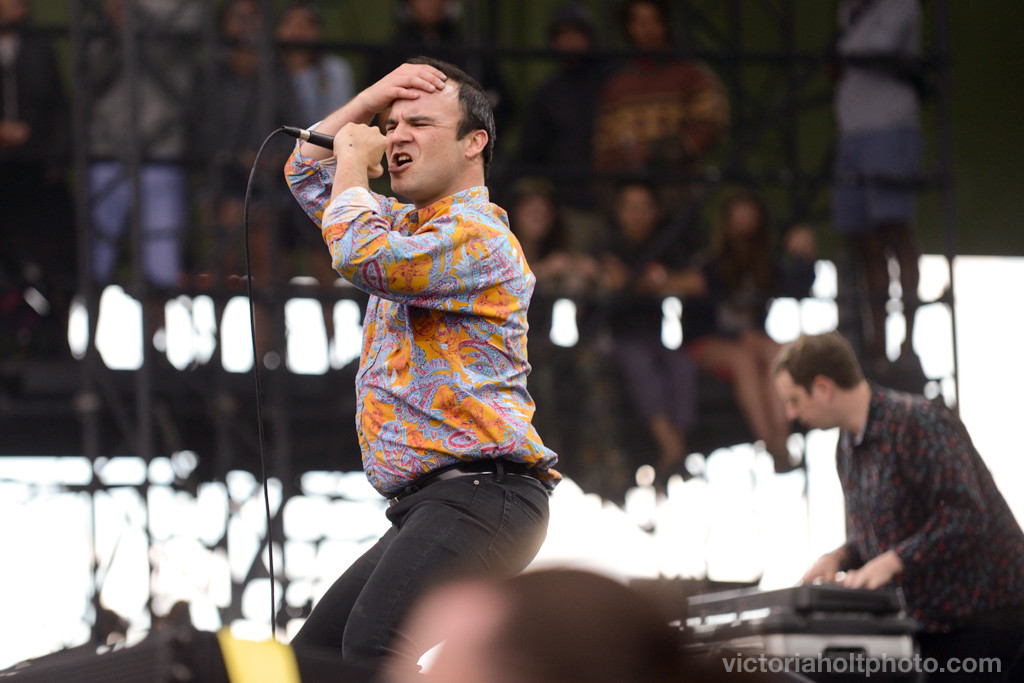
(249, 661)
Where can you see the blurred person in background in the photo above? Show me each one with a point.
(724, 320)
(432, 28)
(142, 111)
(878, 157)
(645, 262)
(37, 235)
(322, 82)
(562, 273)
(544, 626)
(658, 114)
(556, 139)
(247, 102)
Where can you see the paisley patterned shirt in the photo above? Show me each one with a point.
(916, 485)
(442, 373)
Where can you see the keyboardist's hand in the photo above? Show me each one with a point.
(823, 569)
(875, 573)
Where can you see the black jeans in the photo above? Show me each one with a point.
(483, 524)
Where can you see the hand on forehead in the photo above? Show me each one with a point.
(435, 106)
(449, 92)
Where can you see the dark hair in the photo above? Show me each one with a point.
(641, 180)
(597, 630)
(477, 113)
(626, 9)
(309, 6)
(759, 260)
(532, 186)
(228, 5)
(812, 355)
(573, 15)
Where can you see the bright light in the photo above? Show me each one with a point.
(563, 324)
(119, 331)
(739, 521)
(307, 337)
(671, 322)
(236, 336)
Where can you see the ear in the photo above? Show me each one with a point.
(474, 143)
(824, 385)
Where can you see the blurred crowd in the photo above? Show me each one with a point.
(604, 172)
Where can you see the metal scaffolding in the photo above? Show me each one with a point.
(83, 407)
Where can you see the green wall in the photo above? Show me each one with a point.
(988, 126)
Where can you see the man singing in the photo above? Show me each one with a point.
(443, 414)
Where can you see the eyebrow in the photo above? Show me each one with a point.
(414, 118)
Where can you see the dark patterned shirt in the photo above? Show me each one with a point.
(915, 484)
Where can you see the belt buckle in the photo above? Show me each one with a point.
(452, 472)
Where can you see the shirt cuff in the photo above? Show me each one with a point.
(907, 550)
(327, 165)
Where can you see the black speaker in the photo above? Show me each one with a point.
(173, 655)
(166, 656)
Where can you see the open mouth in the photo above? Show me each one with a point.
(399, 161)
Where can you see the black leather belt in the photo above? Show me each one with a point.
(484, 466)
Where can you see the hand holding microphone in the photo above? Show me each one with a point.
(360, 142)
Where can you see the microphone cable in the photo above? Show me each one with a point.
(259, 385)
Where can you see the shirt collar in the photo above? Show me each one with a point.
(477, 194)
(876, 415)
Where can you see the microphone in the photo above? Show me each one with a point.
(310, 136)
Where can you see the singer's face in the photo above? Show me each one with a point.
(426, 161)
